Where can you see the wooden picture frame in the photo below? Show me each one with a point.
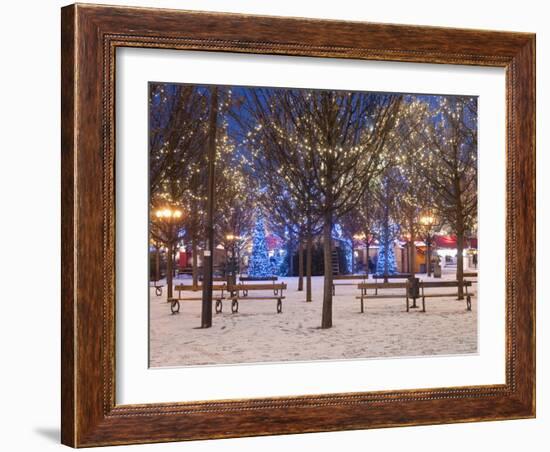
(90, 36)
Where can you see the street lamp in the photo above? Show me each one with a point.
(428, 220)
(168, 213)
(170, 217)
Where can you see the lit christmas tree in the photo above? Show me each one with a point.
(259, 266)
(386, 261)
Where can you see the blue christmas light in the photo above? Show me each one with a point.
(259, 260)
(387, 237)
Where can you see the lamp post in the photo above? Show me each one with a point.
(428, 221)
(156, 245)
(170, 218)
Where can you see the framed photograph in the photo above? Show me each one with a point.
(281, 225)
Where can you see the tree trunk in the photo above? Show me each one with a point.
(412, 258)
(300, 265)
(460, 262)
(289, 251)
(367, 246)
(157, 263)
(429, 257)
(208, 256)
(195, 262)
(169, 269)
(386, 244)
(309, 248)
(412, 248)
(326, 320)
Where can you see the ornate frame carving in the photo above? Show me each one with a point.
(90, 36)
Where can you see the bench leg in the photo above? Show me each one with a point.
(362, 306)
(219, 306)
(279, 306)
(423, 304)
(175, 307)
(234, 306)
(158, 291)
(468, 303)
(407, 301)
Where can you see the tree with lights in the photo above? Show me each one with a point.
(235, 199)
(177, 161)
(292, 194)
(414, 194)
(352, 228)
(386, 195)
(259, 265)
(449, 167)
(176, 136)
(360, 224)
(176, 139)
(327, 146)
(166, 228)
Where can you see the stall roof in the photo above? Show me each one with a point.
(449, 241)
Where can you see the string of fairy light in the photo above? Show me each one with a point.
(419, 145)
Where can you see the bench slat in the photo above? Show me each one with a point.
(190, 287)
(428, 284)
(255, 298)
(394, 276)
(347, 277)
(281, 286)
(383, 285)
(370, 297)
(183, 299)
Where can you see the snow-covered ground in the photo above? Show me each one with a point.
(258, 334)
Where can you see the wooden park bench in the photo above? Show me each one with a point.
(442, 284)
(470, 275)
(241, 292)
(361, 278)
(273, 286)
(364, 287)
(175, 301)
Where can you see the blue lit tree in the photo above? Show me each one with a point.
(386, 264)
(259, 260)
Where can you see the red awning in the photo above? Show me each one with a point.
(273, 242)
(449, 241)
